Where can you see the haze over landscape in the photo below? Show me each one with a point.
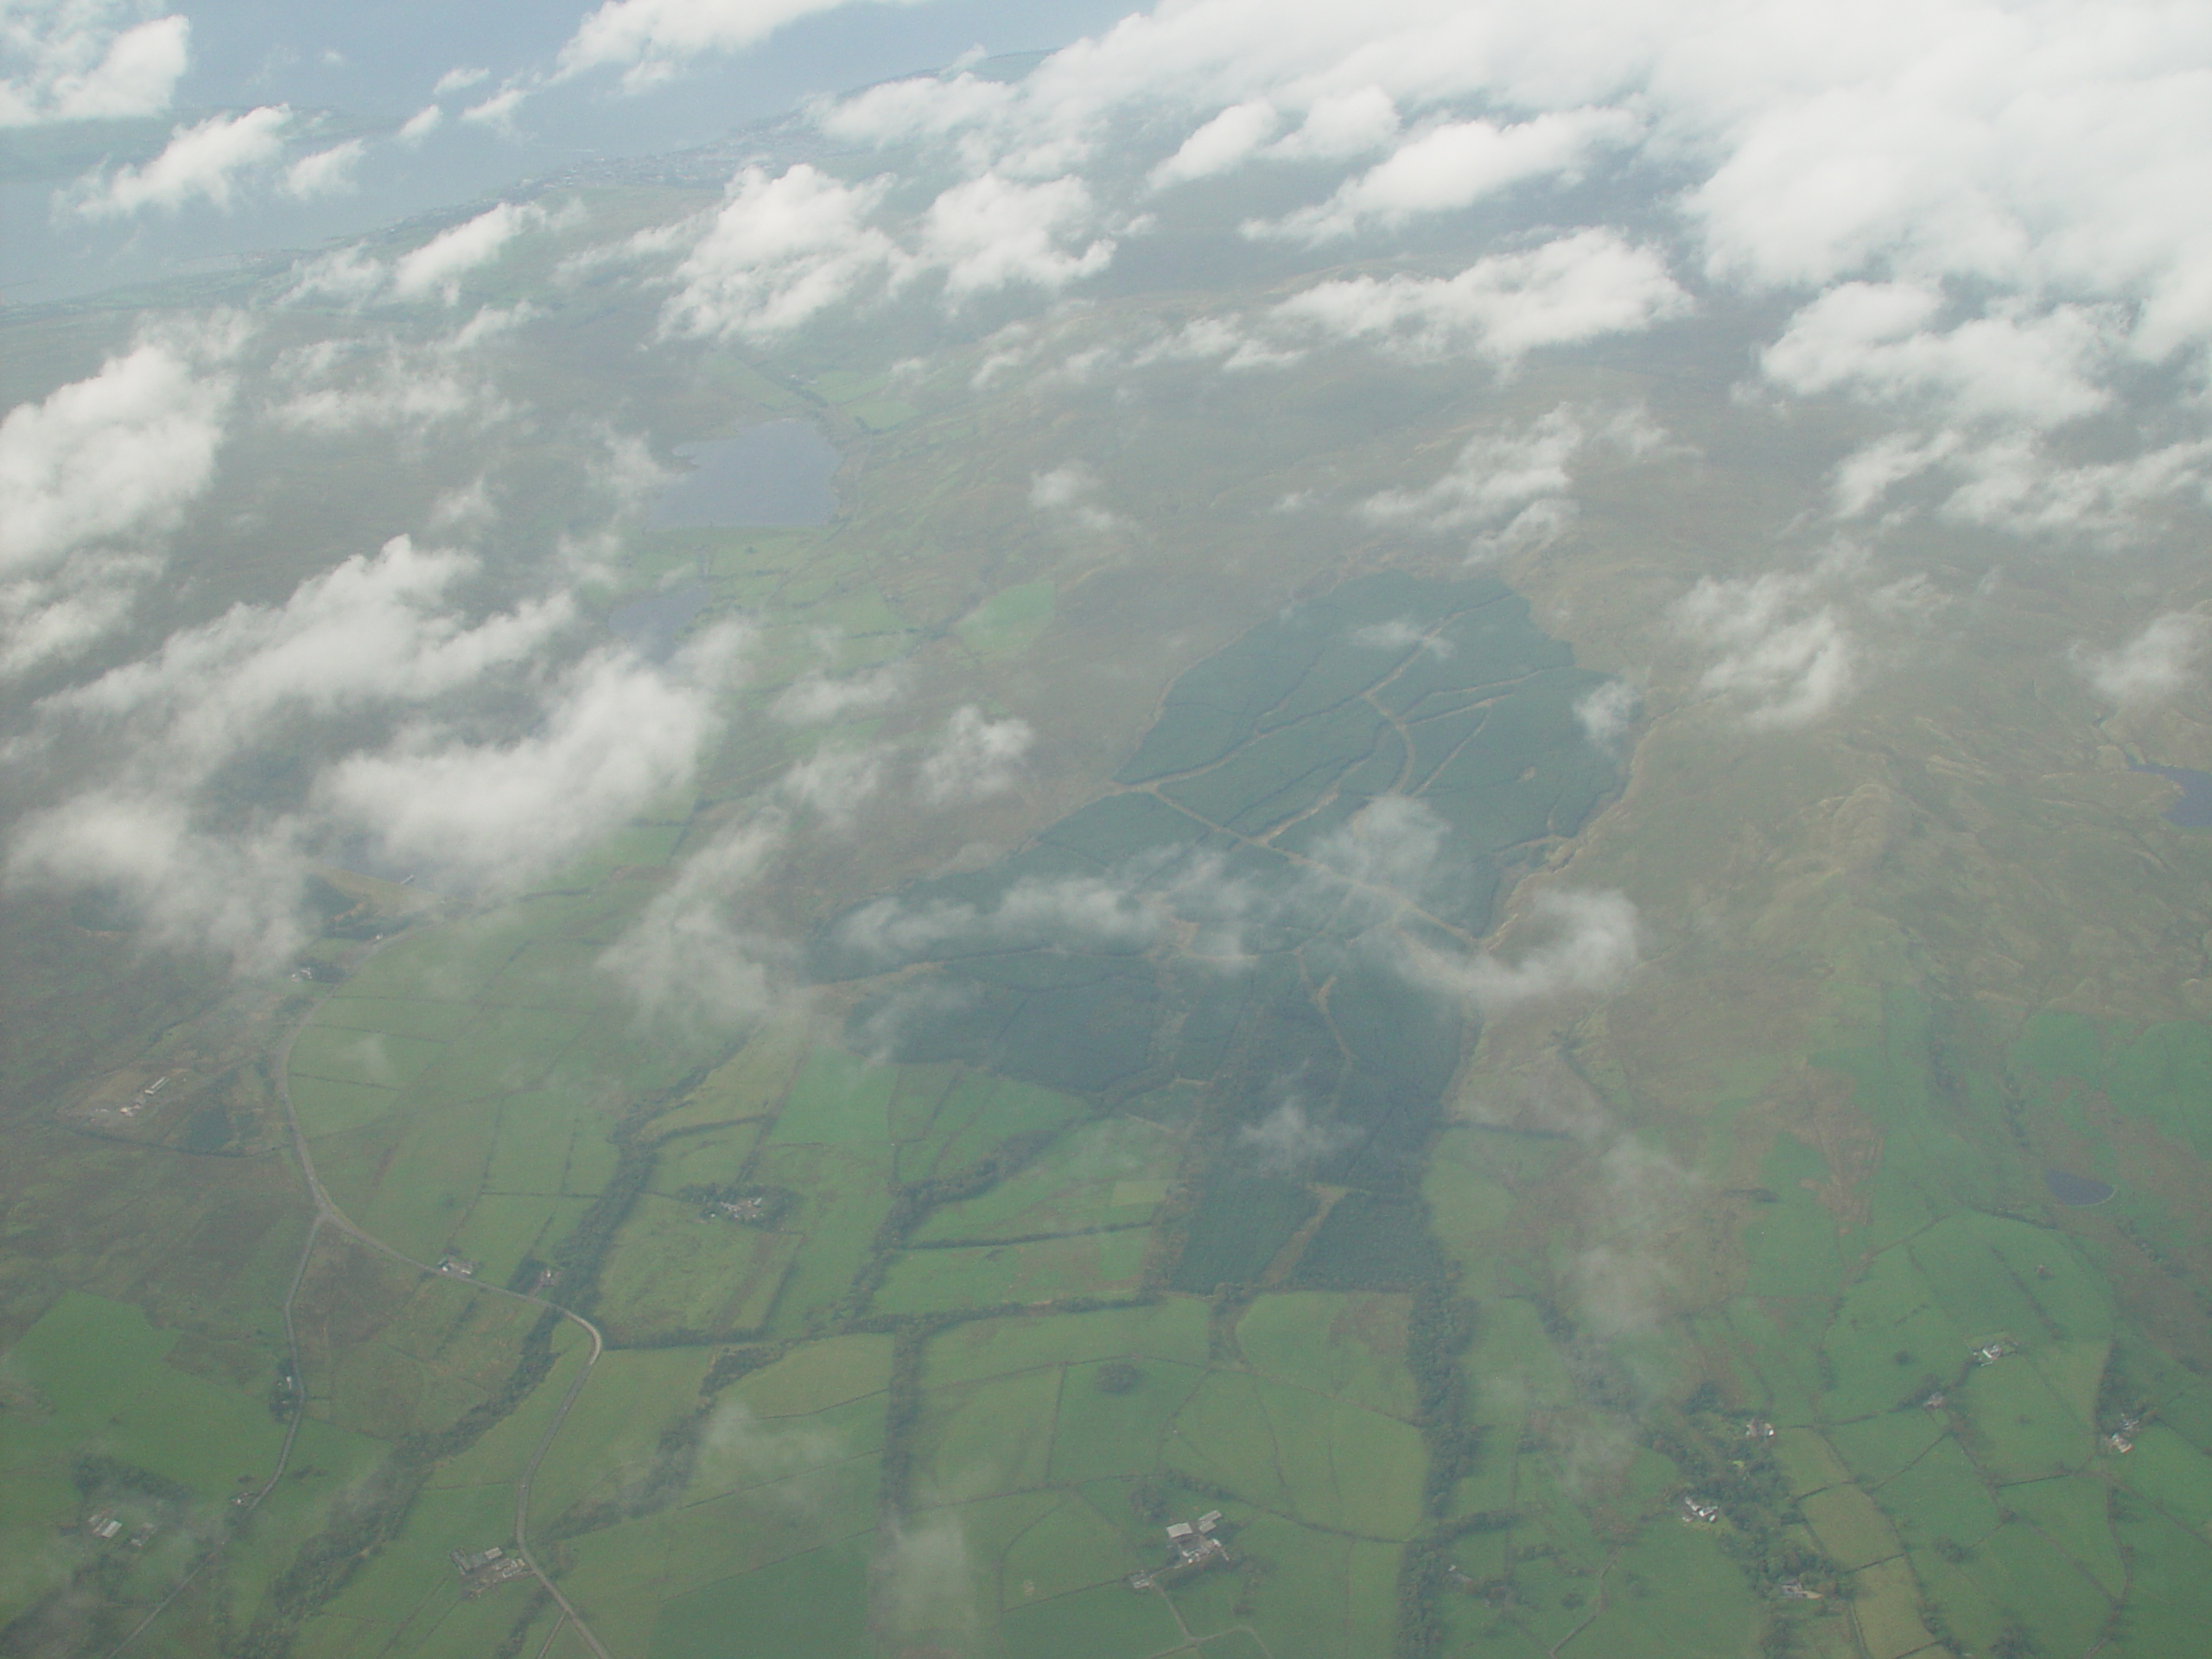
(927, 829)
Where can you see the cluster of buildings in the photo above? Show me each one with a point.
(2122, 1439)
(486, 1568)
(459, 1266)
(145, 1097)
(1758, 1429)
(1990, 1352)
(1698, 1512)
(752, 1209)
(1195, 1545)
(106, 1524)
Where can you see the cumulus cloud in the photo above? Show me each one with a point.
(1591, 944)
(783, 249)
(923, 1581)
(150, 740)
(1453, 166)
(202, 163)
(439, 265)
(1395, 842)
(815, 699)
(835, 782)
(1576, 288)
(2014, 483)
(94, 477)
(2149, 668)
(973, 757)
(1513, 485)
(119, 455)
(1875, 340)
(497, 112)
(1606, 712)
(459, 80)
(193, 888)
(374, 629)
(651, 40)
(82, 60)
(1225, 143)
(325, 173)
(1067, 494)
(421, 125)
(688, 959)
(1089, 909)
(1287, 1142)
(1783, 654)
(2047, 173)
(994, 232)
(779, 251)
(618, 734)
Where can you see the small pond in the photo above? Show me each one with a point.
(2076, 1191)
(774, 474)
(2194, 809)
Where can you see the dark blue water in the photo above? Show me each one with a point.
(2194, 809)
(2076, 1191)
(774, 474)
(653, 625)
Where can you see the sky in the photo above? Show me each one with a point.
(368, 72)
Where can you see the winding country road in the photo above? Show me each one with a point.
(326, 1213)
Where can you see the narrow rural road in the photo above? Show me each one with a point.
(326, 1213)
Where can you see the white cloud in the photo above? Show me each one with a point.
(117, 457)
(778, 251)
(1339, 125)
(235, 894)
(2151, 667)
(1606, 712)
(686, 958)
(1513, 485)
(651, 40)
(1783, 656)
(421, 125)
(76, 60)
(326, 173)
(618, 734)
(1226, 141)
(993, 232)
(1287, 1142)
(145, 740)
(1107, 910)
(201, 163)
(2015, 485)
(1067, 494)
(973, 757)
(2016, 366)
(1592, 943)
(459, 80)
(439, 265)
(372, 630)
(497, 112)
(1454, 166)
(835, 782)
(1576, 288)
(816, 698)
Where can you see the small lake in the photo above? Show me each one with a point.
(653, 625)
(2076, 1191)
(774, 475)
(2194, 809)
